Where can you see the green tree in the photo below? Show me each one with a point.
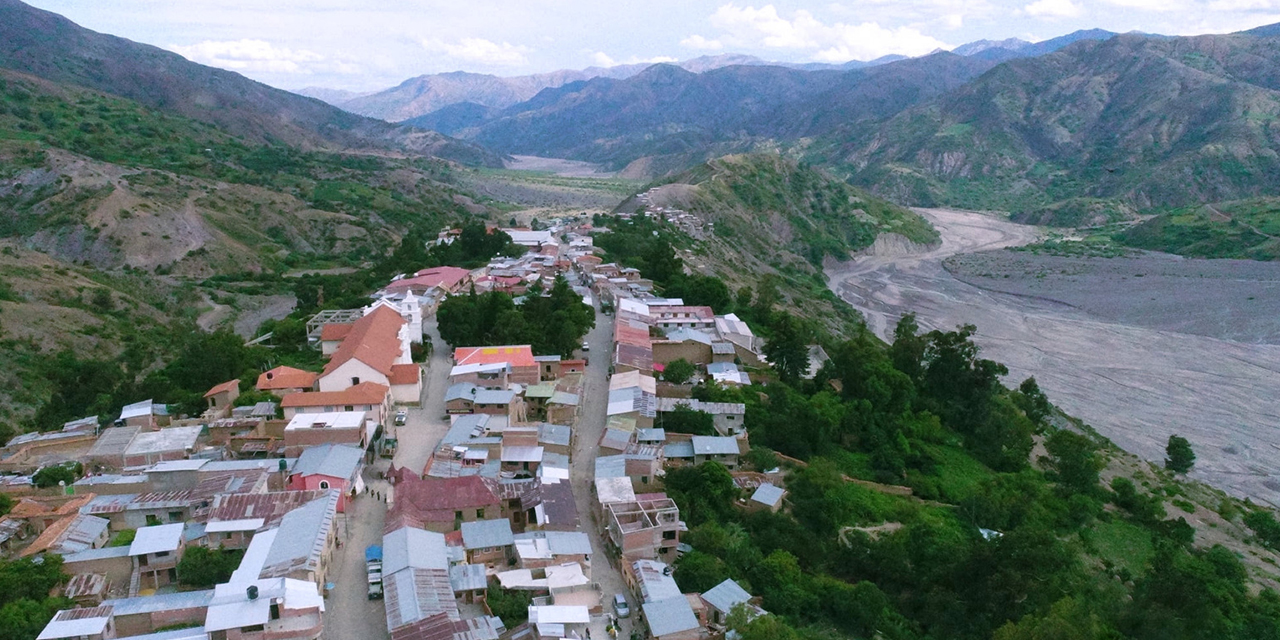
(678, 371)
(787, 348)
(697, 572)
(1073, 461)
(511, 606)
(51, 476)
(1033, 402)
(761, 458)
(1067, 619)
(205, 567)
(1180, 456)
(686, 420)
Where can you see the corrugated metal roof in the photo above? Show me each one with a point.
(768, 494)
(160, 602)
(715, 445)
(678, 450)
(670, 616)
(468, 577)
(726, 595)
(301, 537)
(333, 460)
(164, 537)
(484, 534)
(408, 547)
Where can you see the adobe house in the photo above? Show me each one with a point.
(156, 552)
(222, 397)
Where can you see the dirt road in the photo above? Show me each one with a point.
(1134, 385)
(348, 611)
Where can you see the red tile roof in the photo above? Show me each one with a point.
(373, 340)
(363, 393)
(283, 377)
(335, 331)
(515, 355)
(404, 374)
(230, 385)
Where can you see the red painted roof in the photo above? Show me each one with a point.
(436, 499)
(283, 377)
(515, 355)
(363, 393)
(230, 385)
(373, 340)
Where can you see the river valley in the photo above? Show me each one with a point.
(1133, 382)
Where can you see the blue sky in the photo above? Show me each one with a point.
(373, 44)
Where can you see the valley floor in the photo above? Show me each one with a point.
(1135, 385)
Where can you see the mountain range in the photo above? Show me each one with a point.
(49, 46)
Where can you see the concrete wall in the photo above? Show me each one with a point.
(340, 379)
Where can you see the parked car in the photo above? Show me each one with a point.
(586, 346)
(373, 568)
(401, 417)
(620, 606)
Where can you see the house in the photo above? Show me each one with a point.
(646, 527)
(728, 418)
(222, 397)
(374, 349)
(265, 609)
(728, 373)
(301, 546)
(283, 380)
(540, 549)
(338, 427)
(132, 446)
(722, 449)
(80, 624)
(494, 375)
(519, 358)
(521, 452)
(667, 612)
(767, 496)
(488, 542)
(470, 582)
(693, 345)
(683, 317)
(145, 414)
(537, 396)
(464, 397)
(370, 397)
(234, 519)
(156, 552)
(562, 407)
(71, 535)
(329, 466)
(447, 279)
(415, 579)
(442, 504)
(721, 600)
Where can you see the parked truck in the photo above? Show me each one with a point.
(389, 446)
(373, 567)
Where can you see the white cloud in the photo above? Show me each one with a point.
(1053, 9)
(602, 59)
(834, 42)
(698, 42)
(256, 56)
(1244, 5)
(481, 51)
(1154, 5)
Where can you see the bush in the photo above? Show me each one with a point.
(204, 567)
(51, 476)
(678, 371)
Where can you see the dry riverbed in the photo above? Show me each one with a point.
(1112, 359)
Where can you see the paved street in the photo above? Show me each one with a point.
(426, 425)
(348, 611)
(593, 411)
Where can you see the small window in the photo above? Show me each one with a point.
(324, 484)
(162, 554)
(644, 479)
(457, 515)
(480, 514)
(668, 535)
(175, 516)
(355, 381)
(349, 408)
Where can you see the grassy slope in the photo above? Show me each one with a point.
(91, 177)
(1240, 229)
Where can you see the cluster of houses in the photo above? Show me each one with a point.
(691, 225)
(494, 506)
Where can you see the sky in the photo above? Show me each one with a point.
(367, 45)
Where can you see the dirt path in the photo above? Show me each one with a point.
(1136, 386)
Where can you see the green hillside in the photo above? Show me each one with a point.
(1087, 134)
(1242, 229)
